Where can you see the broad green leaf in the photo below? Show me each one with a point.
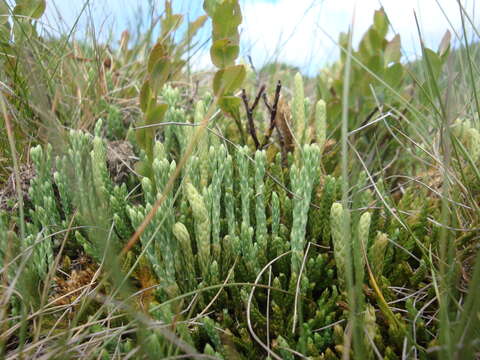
(394, 75)
(210, 6)
(227, 80)
(337, 86)
(30, 8)
(225, 32)
(371, 44)
(379, 42)
(224, 53)
(230, 105)
(170, 24)
(145, 96)
(380, 22)
(145, 136)
(226, 19)
(444, 47)
(393, 50)
(169, 5)
(361, 80)
(168, 8)
(140, 135)
(158, 51)
(435, 62)
(22, 29)
(156, 114)
(228, 12)
(160, 73)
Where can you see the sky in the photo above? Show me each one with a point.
(300, 32)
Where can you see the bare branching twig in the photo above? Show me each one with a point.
(272, 109)
(250, 109)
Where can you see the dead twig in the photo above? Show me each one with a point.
(272, 109)
(250, 109)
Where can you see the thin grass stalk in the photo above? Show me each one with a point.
(16, 168)
(353, 292)
(446, 246)
(16, 171)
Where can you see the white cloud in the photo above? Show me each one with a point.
(296, 30)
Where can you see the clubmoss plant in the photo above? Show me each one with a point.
(298, 109)
(260, 201)
(202, 227)
(244, 250)
(339, 247)
(376, 254)
(303, 181)
(320, 124)
(248, 248)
